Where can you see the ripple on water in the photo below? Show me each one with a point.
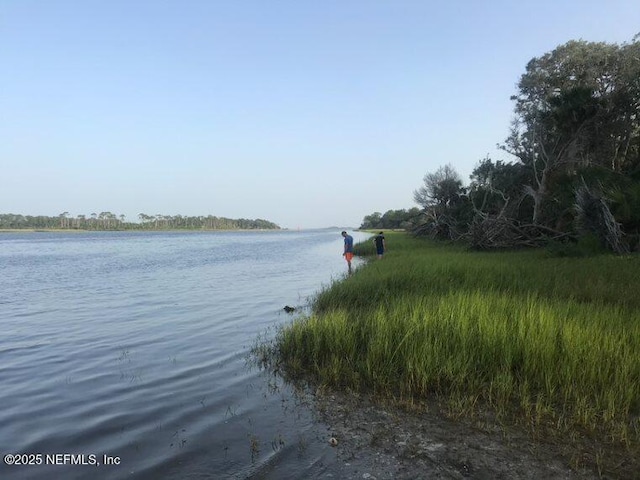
(135, 345)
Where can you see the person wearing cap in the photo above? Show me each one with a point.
(348, 249)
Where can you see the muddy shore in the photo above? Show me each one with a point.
(380, 441)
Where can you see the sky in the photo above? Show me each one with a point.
(306, 113)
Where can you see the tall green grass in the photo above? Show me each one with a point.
(553, 341)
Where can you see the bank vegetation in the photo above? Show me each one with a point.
(547, 343)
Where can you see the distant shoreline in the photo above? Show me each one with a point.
(194, 230)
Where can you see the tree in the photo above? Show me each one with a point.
(64, 219)
(446, 208)
(497, 188)
(443, 187)
(577, 107)
(372, 221)
(392, 219)
(110, 221)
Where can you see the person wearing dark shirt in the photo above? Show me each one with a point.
(378, 240)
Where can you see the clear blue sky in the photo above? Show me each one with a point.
(306, 113)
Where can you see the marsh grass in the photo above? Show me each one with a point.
(551, 342)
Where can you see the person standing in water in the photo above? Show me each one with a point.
(348, 249)
(378, 240)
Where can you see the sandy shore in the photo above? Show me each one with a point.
(384, 442)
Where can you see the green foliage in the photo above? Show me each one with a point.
(576, 130)
(441, 188)
(498, 186)
(576, 127)
(576, 109)
(587, 245)
(551, 341)
(110, 221)
(391, 220)
(625, 205)
(447, 209)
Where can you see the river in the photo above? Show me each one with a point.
(126, 354)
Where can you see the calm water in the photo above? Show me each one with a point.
(135, 346)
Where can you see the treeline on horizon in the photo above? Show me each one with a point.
(111, 221)
(574, 174)
(391, 219)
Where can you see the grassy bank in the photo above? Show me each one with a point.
(553, 343)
